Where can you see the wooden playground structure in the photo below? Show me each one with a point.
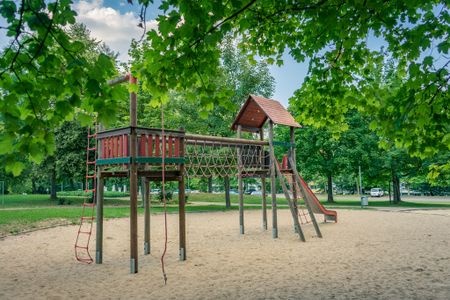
(170, 155)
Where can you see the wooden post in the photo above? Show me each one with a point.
(273, 183)
(263, 184)
(99, 217)
(240, 185)
(226, 183)
(133, 183)
(143, 191)
(292, 158)
(181, 205)
(146, 191)
(210, 184)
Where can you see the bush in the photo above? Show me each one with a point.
(63, 201)
(169, 196)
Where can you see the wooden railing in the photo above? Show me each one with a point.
(114, 146)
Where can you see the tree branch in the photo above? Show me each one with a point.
(218, 25)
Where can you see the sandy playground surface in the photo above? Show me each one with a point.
(368, 254)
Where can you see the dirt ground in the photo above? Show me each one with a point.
(369, 254)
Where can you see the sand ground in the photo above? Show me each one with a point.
(367, 255)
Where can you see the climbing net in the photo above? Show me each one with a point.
(205, 158)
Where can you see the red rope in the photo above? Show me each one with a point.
(164, 193)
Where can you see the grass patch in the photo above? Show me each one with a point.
(234, 199)
(248, 199)
(14, 221)
(378, 203)
(33, 201)
(25, 212)
(108, 194)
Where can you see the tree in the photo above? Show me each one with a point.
(70, 152)
(237, 75)
(333, 35)
(318, 153)
(183, 55)
(47, 77)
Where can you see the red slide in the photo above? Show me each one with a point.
(316, 206)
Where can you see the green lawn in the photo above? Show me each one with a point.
(18, 220)
(17, 201)
(25, 212)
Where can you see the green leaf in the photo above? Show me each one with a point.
(6, 144)
(15, 167)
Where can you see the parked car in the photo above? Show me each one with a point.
(376, 192)
(155, 191)
(234, 192)
(249, 191)
(256, 193)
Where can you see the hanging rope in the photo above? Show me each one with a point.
(164, 193)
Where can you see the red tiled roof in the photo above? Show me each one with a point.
(256, 110)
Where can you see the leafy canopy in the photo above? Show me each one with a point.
(183, 54)
(44, 78)
(47, 77)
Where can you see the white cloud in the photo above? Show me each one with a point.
(110, 25)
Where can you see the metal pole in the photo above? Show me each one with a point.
(360, 181)
(360, 186)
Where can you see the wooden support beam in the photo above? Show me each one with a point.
(181, 207)
(147, 203)
(99, 219)
(263, 185)
(306, 199)
(226, 183)
(171, 175)
(133, 184)
(297, 226)
(120, 79)
(240, 186)
(210, 184)
(273, 183)
(223, 140)
(292, 161)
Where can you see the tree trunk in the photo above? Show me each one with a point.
(330, 188)
(396, 187)
(53, 182)
(390, 193)
(33, 186)
(227, 192)
(210, 185)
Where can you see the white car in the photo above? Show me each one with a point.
(376, 192)
(256, 193)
